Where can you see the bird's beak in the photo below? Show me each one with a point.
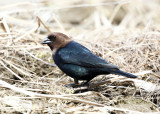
(46, 41)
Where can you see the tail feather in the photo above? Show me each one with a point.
(122, 73)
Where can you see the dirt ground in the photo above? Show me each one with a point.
(124, 32)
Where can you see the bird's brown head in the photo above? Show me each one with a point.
(56, 40)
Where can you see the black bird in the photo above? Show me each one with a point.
(77, 61)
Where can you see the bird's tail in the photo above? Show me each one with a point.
(122, 73)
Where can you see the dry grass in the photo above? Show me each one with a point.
(125, 33)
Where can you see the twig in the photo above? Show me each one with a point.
(37, 83)
(26, 33)
(39, 59)
(115, 12)
(89, 5)
(16, 5)
(5, 84)
(18, 69)
(144, 72)
(40, 21)
(10, 70)
(32, 94)
(5, 25)
(147, 86)
(59, 23)
(35, 95)
(65, 7)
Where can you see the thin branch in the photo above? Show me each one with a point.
(39, 59)
(26, 33)
(6, 27)
(36, 95)
(40, 21)
(32, 94)
(18, 69)
(10, 70)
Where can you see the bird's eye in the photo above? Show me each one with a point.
(54, 37)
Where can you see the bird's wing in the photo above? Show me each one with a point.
(75, 53)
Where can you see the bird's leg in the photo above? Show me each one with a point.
(74, 85)
(75, 81)
(85, 83)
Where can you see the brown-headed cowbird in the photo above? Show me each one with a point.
(77, 61)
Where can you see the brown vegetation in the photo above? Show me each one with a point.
(125, 33)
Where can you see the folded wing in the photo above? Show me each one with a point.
(77, 54)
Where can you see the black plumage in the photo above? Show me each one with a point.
(77, 61)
